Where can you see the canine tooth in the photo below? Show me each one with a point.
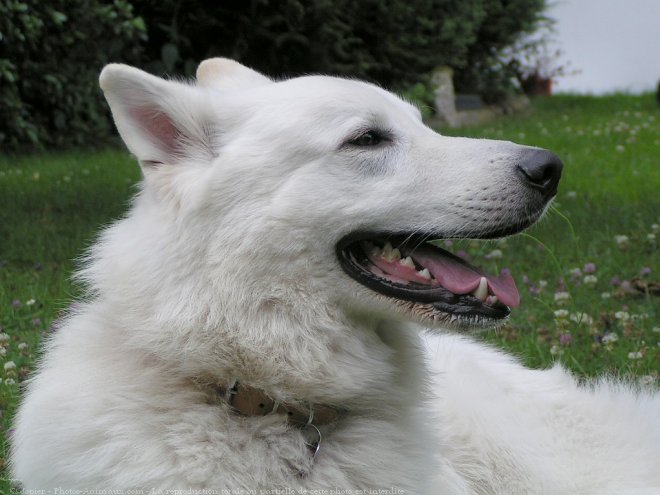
(425, 273)
(481, 292)
(408, 262)
(387, 250)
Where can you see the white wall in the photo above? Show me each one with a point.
(614, 43)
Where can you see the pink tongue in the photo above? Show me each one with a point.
(463, 279)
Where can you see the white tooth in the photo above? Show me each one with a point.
(425, 273)
(408, 262)
(391, 254)
(481, 292)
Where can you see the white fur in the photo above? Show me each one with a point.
(226, 267)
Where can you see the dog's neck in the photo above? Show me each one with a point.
(250, 393)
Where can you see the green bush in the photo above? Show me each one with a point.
(50, 57)
(394, 43)
(505, 21)
(51, 52)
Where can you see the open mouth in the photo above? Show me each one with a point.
(429, 281)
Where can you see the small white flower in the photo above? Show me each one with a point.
(543, 284)
(10, 381)
(561, 314)
(590, 280)
(635, 355)
(554, 350)
(655, 329)
(582, 318)
(22, 346)
(650, 237)
(561, 297)
(620, 148)
(4, 337)
(622, 315)
(494, 254)
(655, 228)
(647, 380)
(609, 338)
(605, 295)
(10, 365)
(3, 352)
(30, 302)
(575, 272)
(622, 240)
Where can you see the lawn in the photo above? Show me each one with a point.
(588, 273)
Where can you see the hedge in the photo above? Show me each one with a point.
(51, 52)
(50, 56)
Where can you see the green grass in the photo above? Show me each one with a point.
(53, 205)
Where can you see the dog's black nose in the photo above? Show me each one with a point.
(541, 170)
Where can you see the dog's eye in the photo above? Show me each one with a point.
(369, 138)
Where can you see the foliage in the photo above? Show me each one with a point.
(506, 21)
(379, 41)
(51, 52)
(50, 56)
(393, 43)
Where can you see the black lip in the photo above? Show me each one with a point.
(349, 252)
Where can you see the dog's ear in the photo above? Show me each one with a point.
(161, 122)
(223, 73)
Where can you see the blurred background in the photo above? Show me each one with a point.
(51, 52)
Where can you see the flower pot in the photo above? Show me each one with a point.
(536, 85)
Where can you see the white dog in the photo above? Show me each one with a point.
(246, 332)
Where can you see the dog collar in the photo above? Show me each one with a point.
(249, 401)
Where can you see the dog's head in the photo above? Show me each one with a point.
(318, 192)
